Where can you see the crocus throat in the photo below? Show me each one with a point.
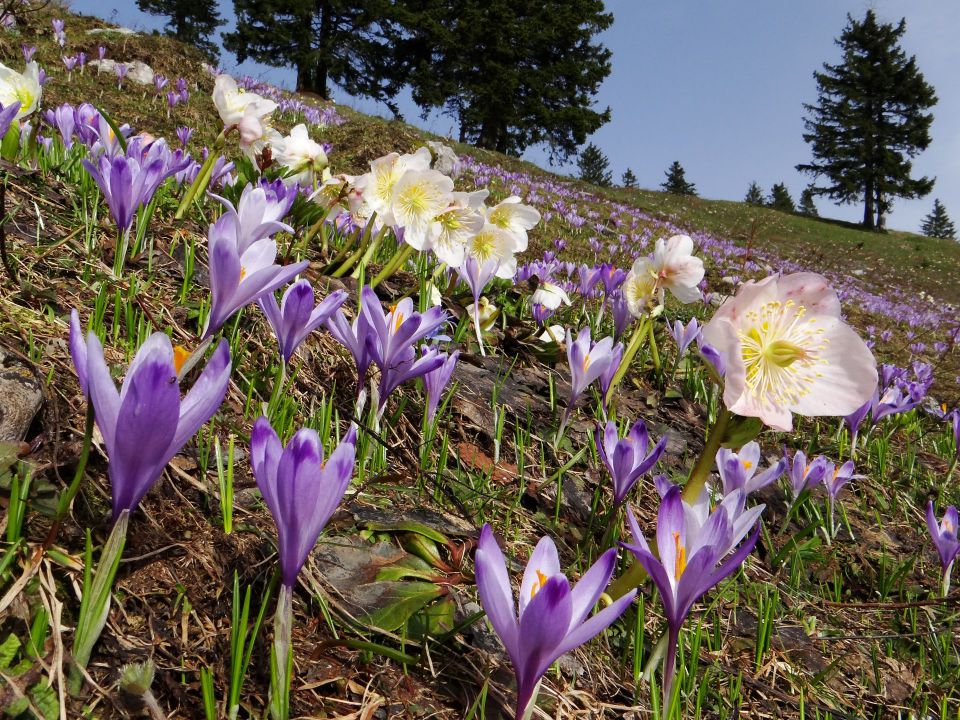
(180, 356)
(680, 564)
(747, 464)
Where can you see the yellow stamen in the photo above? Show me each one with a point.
(243, 272)
(680, 563)
(747, 464)
(180, 356)
(586, 362)
(541, 581)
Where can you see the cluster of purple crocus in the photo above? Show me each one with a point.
(899, 391)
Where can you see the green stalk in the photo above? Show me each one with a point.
(63, 506)
(391, 267)
(358, 253)
(95, 603)
(654, 353)
(200, 182)
(368, 255)
(700, 472)
(636, 342)
(281, 660)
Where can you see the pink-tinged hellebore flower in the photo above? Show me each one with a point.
(296, 317)
(944, 536)
(238, 279)
(552, 618)
(738, 470)
(787, 350)
(672, 267)
(146, 423)
(301, 489)
(627, 459)
(692, 557)
(436, 380)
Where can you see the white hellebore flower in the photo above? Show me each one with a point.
(232, 102)
(457, 225)
(419, 196)
(673, 267)
(555, 334)
(550, 295)
(377, 185)
(23, 88)
(495, 242)
(488, 314)
(303, 156)
(514, 217)
(788, 351)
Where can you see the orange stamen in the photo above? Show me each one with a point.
(747, 464)
(541, 581)
(180, 356)
(680, 564)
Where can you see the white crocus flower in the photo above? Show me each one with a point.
(232, 102)
(303, 156)
(23, 88)
(419, 196)
(514, 217)
(550, 296)
(377, 185)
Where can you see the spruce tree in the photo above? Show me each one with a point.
(594, 166)
(357, 44)
(754, 194)
(807, 207)
(513, 73)
(676, 181)
(780, 199)
(190, 21)
(938, 224)
(629, 180)
(870, 120)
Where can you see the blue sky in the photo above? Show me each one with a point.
(719, 86)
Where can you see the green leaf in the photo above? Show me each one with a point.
(421, 547)
(410, 526)
(408, 598)
(8, 651)
(434, 620)
(45, 700)
(408, 567)
(740, 431)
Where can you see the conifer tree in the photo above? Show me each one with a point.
(754, 194)
(190, 21)
(807, 207)
(513, 73)
(938, 224)
(594, 166)
(780, 199)
(870, 120)
(629, 180)
(357, 44)
(676, 181)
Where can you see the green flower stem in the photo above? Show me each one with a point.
(368, 255)
(281, 662)
(636, 342)
(202, 179)
(95, 603)
(391, 267)
(66, 499)
(654, 353)
(700, 471)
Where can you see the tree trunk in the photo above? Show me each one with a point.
(868, 207)
(312, 74)
(881, 211)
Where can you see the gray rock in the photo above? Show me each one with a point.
(20, 397)
(140, 72)
(112, 31)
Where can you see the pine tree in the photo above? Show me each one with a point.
(869, 121)
(358, 44)
(937, 224)
(754, 194)
(676, 181)
(594, 166)
(807, 207)
(513, 73)
(190, 21)
(629, 180)
(780, 199)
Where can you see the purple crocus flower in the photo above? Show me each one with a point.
(8, 114)
(621, 314)
(476, 275)
(738, 470)
(159, 83)
(101, 52)
(626, 459)
(954, 418)
(28, 51)
(552, 616)
(806, 475)
(691, 547)
(296, 317)
(684, 335)
(854, 420)
(714, 358)
(183, 134)
(64, 119)
(944, 536)
(612, 278)
(121, 70)
(588, 278)
(146, 423)
(587, 360)
(540, 313)
(354, 338)
(258, 214)
(301, 489)
(836, 477)
(70, 62)
(606, 379)
(437, 379)
(238, 278)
